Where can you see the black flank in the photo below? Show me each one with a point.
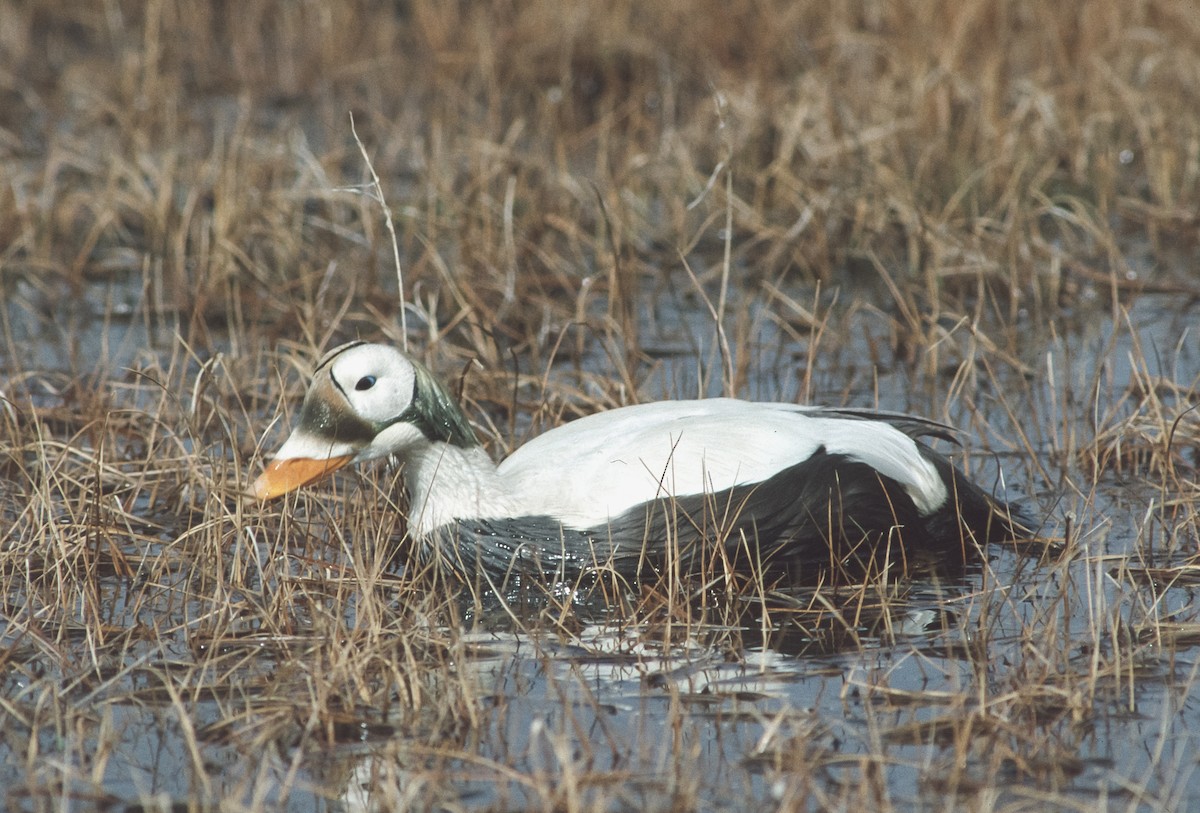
(826, 509)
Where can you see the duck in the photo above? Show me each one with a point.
(643, 488)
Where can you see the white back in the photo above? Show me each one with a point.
(597, 467)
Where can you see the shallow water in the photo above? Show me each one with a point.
(655, 728)
(617, 718)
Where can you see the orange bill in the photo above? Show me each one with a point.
(283, 476)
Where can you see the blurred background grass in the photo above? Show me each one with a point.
(1018, 150)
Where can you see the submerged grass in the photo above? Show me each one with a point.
(983, 212)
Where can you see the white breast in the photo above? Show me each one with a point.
(597, 467)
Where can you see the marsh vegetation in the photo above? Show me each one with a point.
(982, 212)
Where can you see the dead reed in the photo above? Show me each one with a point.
(980, 211)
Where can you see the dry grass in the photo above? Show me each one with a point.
(984, 212)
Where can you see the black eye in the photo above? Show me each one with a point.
(365, 383)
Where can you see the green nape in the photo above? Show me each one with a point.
(436, 413)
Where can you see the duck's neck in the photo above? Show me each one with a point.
(447, 482)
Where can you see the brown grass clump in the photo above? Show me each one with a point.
(983, 212)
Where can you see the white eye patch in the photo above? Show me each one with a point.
(377, 381)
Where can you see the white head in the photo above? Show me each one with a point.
(365, 401)
(376, 380)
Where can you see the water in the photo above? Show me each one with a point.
(1021, 682)
(655, 727)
